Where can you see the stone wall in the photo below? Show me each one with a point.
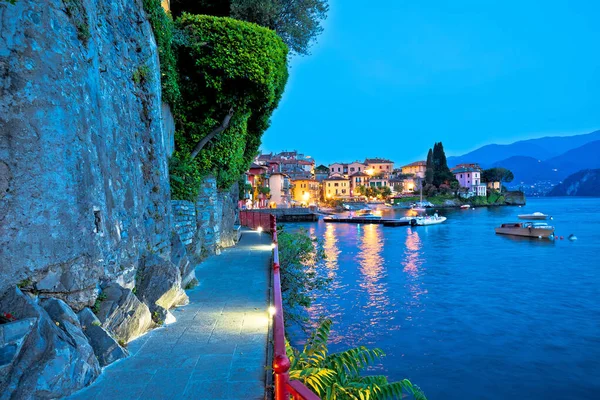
(207, 225)
(184, 217)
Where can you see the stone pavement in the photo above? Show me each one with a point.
(217, 347)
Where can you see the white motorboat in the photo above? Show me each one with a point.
(429, 220)
(535, 215)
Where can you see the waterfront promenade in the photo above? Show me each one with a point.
(217, 347)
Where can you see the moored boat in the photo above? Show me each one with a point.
(535, 215)
(366, 214)
(527, 229)
(429, 220)
(465, 206)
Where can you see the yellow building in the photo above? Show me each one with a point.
(305, 191)
(417, 169)
(379, 167)
(336, 187)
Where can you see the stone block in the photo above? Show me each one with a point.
(105, 346)
(123, 314)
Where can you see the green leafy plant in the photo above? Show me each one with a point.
(164, 33)
(341, 375)
(298, 257)
(96, 307)
(235, 73)
(24, 283)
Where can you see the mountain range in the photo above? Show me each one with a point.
(582, 183)
(549, 159)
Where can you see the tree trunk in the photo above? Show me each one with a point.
(224, 125)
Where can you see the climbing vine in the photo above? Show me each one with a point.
(164, 33)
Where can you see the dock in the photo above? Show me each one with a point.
(384, 222)
(299, 214)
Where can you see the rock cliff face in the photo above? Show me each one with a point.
(82, 145)
(84, 193)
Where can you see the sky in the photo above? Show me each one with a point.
(389, 78)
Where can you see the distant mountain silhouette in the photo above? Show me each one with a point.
(541, 149)
(583, 157)
(582, 183)
(530, 170)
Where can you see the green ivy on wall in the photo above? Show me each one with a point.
(164, 32)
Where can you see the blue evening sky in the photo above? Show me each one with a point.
(388, 78)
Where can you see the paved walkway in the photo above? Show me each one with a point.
(217, 347)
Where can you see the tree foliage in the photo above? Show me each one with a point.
(297, 22)
(340, 375)
(441, 172)
(497, 174)
(429, 168)
(298, 257)
(227, 68)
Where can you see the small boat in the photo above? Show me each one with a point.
(365, 214)
(429, 220)
(465, 206)
(527, 229)
(535, 215)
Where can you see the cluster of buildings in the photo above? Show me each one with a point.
(290, 179)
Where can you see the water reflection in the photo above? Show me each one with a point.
(371, 266)
(332, 251)
(413, 266)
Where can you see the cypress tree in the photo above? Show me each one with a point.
(441, 172)
(429, 168)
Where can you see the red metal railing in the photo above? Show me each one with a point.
(281, 364)
(255, 219)
(284, 388)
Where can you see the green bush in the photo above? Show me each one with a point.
(227, 65)
(298, 257)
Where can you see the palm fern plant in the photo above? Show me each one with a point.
(335, 376)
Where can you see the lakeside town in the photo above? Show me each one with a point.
(292, 179)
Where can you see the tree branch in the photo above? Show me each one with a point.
(224, 125)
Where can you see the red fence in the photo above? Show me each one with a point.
(284, 388)
(255, 219)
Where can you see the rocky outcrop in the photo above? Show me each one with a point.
(179, 258)
(159, 286)
(514, 198)
(106, 348)
(122, 314)
(46, 354)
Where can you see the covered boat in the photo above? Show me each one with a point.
(535, 215)
(527, 229)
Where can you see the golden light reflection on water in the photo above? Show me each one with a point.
(371, 266)
(332, 251)
(413, 262)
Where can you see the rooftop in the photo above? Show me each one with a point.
(464, 169)
(378, 161)
(416, 164)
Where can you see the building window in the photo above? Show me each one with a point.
(328, 184)
(387, 167)
(358, 169)
(468, 175)
(351, 169)
(461, 176)
(380, 167)
(338, 169)
(343, 191)
(335, 184)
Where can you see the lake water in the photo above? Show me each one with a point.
(467, 314)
